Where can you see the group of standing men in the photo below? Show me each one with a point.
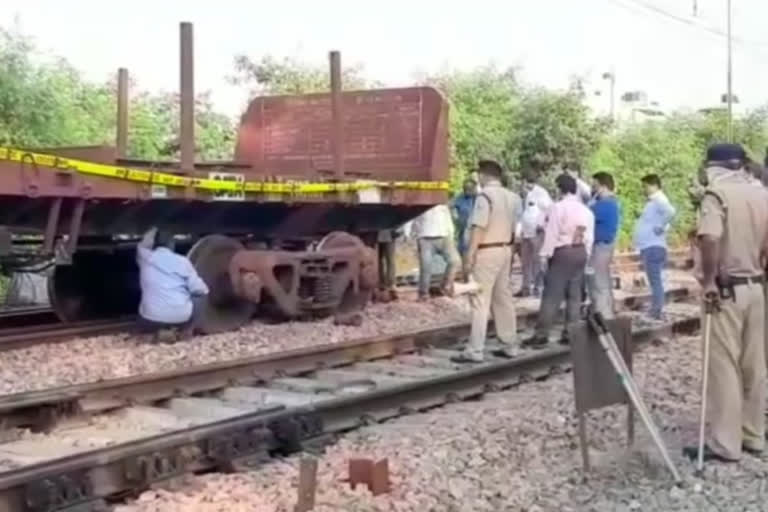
(731, 236)
(566, 248)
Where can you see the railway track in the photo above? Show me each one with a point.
(19, 316)
(28, 326)
(150, 428)
(12, 338)
(626, 262)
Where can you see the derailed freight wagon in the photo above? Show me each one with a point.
(290, 224)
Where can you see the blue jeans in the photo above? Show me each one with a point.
(654, 261)
(428, 247)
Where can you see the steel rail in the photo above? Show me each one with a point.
(13, 338)
(132, 466)
(42, 410)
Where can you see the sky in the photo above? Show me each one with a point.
(679, 62)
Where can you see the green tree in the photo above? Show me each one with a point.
(270, 75)
(154, 131)
(554, 128)
(46, 103)
(483, 105)
(669, 149)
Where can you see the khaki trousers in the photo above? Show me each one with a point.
(765, 327)
(736, 389)
(491, 273)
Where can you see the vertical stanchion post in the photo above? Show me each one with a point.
(307, 485)
(121, 142)
(187, 98)
(337, 114)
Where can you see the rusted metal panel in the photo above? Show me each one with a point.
(397, 134)
(392, 134)
(595, 382)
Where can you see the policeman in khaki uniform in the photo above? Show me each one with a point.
(732, 236)
(489, 258)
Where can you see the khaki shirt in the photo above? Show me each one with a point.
(497, 210)
(739, 222)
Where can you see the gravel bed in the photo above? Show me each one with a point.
(517, 451)
(122, 355)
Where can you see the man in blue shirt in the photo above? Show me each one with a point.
(461, 209)
(650, 239)
(171, 289)
(607, 213)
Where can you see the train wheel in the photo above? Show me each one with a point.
(339, 239)
(96, 285)
(354, 301)
(223, 310)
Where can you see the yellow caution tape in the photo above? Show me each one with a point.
(212, 185)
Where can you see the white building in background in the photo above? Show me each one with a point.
(628, 107)
(636, 106)
(738, 109)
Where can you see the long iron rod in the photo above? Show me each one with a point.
(617, 360)
(704, 383)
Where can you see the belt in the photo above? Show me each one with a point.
(737, 280)
(602, 242)
(497, 244)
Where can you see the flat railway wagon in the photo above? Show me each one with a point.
(289, 225)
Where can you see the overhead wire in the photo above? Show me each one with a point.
(746, 44)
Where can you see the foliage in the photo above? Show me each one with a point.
(154, 132)
(554, 129)
(674, 149)
(483, 105)
(45, 102)
(269, 75)
(667, 149)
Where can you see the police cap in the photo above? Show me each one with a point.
(725, 152)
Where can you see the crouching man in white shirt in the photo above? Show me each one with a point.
(171, 289)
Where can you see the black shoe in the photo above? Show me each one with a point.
(522, 294)
(564, 340)
(505, 353)
(692, 452)
(535, 342)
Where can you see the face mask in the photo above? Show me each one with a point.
(703, 178)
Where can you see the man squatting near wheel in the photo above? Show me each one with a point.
(171, 290)
(733, 239)
(489, 260)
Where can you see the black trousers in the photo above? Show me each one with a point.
(386, 265)
(563, 281)
(146, 326)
